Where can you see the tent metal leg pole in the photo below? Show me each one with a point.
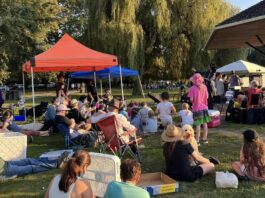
(101, 93)
(141, 86)
(24, 93)
(33, 94)
(109, 82)
(67, 84)
(95, 79)
(122, 93)
(23, 79)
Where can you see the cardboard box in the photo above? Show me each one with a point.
(158, 183)
(13, 146)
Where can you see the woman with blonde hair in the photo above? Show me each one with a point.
(252, 157)
(69, 184)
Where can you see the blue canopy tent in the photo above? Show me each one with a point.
(112, 72)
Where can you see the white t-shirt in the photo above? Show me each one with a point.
(165, 111)
(186, 119)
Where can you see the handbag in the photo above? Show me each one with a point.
(226, 180)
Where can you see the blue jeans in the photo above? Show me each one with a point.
(29, 165)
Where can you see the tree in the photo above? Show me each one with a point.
(24, 27)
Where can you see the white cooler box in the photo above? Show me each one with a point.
(216, 118)
(104, 168)
(13, 146)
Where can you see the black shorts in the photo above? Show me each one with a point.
(191, 175)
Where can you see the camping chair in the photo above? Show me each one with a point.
(114, 142)
(69, 142)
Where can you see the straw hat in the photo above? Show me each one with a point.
(171, 134)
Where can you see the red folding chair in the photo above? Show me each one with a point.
(113, 141)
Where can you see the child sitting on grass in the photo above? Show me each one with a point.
(252, 158)
(186, 115)
(165, 109)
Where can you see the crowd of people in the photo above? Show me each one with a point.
(183, 160)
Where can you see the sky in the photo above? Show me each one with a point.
(243, 4)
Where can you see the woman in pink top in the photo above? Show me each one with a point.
(198, 95)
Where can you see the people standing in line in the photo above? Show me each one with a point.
(198, 95)
(165, 110)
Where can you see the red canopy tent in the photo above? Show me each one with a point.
(67, 55)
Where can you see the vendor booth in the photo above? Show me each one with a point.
(245, 70)
(109, 73)
(67, 55)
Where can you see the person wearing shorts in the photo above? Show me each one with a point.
(198, 95)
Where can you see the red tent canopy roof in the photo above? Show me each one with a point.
(69, 55)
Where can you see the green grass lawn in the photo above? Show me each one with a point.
(224, 143)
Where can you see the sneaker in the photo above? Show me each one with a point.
(198, 143)
(214, 160)
(62, 159)
(141, 146)
(204, 141)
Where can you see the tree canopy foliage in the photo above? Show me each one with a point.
(164, 39)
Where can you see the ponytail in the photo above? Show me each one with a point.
(74, 168)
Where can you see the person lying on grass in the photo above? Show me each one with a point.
(10, 125)
(252, 157)
(70, 183)
(178, 152)
(11, 169)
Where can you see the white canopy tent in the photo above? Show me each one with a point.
(242, 67)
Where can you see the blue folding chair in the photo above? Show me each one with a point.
(69, 142)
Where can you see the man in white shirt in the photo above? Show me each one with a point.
(121, 121)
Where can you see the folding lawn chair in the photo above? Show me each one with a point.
(79, 141)
(113, 141)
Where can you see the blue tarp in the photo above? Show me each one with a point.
(113, 71)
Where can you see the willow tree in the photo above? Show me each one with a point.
(206, 15)
(113, 28)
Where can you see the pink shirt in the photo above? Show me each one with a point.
(199, 98)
